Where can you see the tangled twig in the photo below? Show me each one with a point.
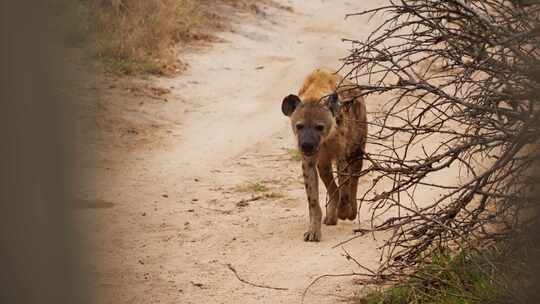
(460, 80)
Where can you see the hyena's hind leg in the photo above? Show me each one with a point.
(356, 168)
(356, 163)
(344, 178)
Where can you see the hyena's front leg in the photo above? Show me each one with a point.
(311, 181)
(325, 172)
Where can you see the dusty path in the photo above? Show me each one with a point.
(179, 215)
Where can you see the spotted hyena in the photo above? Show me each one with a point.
(330, 127)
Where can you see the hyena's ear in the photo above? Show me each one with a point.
(289, 104)
(333, 103)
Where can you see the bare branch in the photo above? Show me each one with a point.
(460, 80)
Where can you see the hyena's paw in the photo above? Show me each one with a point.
(330, 220)
(344, 207)
(312, 235)
(353, 213)
(344, 211)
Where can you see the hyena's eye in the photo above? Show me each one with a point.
(299, 126)
(319, 128)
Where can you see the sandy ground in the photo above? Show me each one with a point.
(167, 202)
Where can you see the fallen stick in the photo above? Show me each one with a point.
(250, 283)
(244, 202)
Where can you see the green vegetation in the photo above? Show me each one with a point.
(128, 66)
(466, 278)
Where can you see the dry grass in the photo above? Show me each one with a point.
(142, 36)
(138, 35)
(253, 187)
(294, 154)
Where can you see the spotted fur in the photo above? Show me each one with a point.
(330, 126)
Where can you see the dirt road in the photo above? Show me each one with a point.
(222, 187)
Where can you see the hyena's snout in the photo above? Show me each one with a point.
(308, 144)
(308, 147)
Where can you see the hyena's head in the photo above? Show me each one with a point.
(311, 122)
